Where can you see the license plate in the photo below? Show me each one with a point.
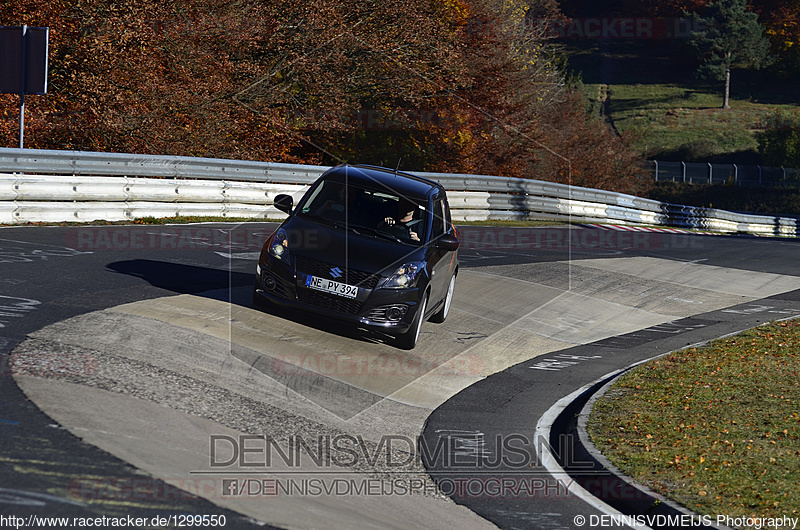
(330, 286)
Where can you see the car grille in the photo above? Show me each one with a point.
(329, 301)
(321, 269)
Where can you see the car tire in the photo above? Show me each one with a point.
(441, 315)
(409, 339)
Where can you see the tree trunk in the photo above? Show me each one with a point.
(726, 99)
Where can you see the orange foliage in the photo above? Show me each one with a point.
(782, 20)
(456, 86)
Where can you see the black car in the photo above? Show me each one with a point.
(367, 245)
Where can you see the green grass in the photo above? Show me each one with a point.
(716, 428)
(511, 223)
(669, 120)
(154, 221)
(197, 219)
(190, 220)
(649, 93)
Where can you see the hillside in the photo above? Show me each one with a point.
(431, 85)
(439, 85)
(649, 91)
(654, 99)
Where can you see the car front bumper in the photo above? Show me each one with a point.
(389, 310)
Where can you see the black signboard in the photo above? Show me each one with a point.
(23, 53)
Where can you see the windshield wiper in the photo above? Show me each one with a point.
(379, 233)
(322, 219)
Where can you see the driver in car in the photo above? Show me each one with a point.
(405, 226)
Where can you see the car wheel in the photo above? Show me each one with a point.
(440, 315)
(409, 339)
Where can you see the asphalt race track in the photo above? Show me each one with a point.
(146, 384)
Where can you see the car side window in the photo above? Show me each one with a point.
(438, 219)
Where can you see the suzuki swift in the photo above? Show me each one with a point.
(368, 246)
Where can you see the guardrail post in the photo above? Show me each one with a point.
(22, 92)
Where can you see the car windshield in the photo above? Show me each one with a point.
(383, 214)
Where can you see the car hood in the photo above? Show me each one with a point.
(345, 248)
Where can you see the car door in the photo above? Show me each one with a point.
(442, 261)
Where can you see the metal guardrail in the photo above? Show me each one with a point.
(52, 162)
(57, 198)
(46, 185)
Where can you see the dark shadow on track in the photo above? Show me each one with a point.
(179, 278)
(228, 286)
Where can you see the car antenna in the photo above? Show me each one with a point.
(396, 169)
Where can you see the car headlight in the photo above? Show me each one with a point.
(406, 276)
(279, 245)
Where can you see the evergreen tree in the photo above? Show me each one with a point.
(730, 37)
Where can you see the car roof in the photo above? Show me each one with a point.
(375, 177)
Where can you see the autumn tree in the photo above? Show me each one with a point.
(453, 85)
(527, 120)
(782, 21)
(730, 37)
(629, 8)
(143, 77)
(363, 81)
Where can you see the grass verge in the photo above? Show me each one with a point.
(190, 220)
(180, 220)
(714, 428)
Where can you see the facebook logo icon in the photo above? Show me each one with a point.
(230, 486)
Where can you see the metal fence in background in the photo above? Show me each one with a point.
(730, 174)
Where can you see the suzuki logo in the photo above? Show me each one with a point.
(336, 272)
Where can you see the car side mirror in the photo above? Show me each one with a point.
(283, 203)
(447, 242)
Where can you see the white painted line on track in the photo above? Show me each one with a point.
(549, 462)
